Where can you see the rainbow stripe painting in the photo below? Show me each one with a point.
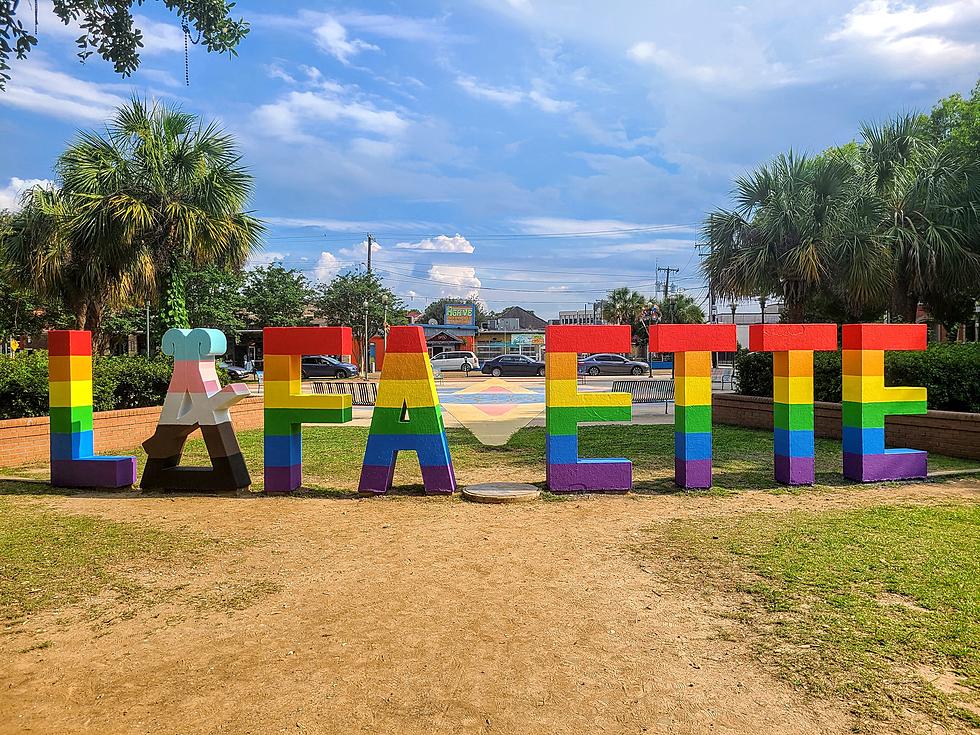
(566, 408)
(287, 408)
(692, 345)
(792, 347)
(407, 417)
(73, 459)
(866, 401)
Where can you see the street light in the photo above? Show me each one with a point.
(365, 350)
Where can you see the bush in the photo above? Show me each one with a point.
(950, 373)
(117, 382)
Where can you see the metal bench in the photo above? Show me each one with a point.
(362, 393)
(647, 391)
(722, 376)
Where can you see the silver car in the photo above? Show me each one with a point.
(606, 363)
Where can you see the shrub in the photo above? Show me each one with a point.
(950, 373)
(117, 382)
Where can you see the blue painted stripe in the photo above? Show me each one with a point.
(793, 443)
(863, 441)
(283, 450)
(77, 445)
(432, 449)
(692, 445)
(561, 448)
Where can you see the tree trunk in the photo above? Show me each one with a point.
(93, 323)
(904, 303)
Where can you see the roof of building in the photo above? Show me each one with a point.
(525, 318)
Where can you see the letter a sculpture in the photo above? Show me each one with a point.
(73, 459)
(195, 399)
(407, 416)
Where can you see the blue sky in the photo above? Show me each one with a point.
(474, 138)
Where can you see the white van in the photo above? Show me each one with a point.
(455, 361)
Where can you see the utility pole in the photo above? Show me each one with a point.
(668, 270)
(370, 239)
(147, 329)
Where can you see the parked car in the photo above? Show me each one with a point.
(455, 361)
(605, 363)
(512, 365)
(236, 372)
(324, 366)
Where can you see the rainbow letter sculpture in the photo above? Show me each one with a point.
(866, 401)
(195, 399)
(692, 345)
(566, 408)
(407, 417)
(73, 460)
(792, 347)
(287, 408)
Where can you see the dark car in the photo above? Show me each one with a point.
(236, 372)
(606, 363)
(512, 365)
(324, 366)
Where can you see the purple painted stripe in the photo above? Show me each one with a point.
(692, 473)
(906, 464)
(283, 479)
(376, 478)
(94, 472)
(794, 470)
(591, 476)
(439, 480)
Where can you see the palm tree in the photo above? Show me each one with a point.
(775, 241)
(89, 272)
(680, 309)
(173, 185)
(624, 306)
(915, 214)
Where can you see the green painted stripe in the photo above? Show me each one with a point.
(792, 416)
(70, 419)
(692, 419)
(280, 420)
(422, 420)
(564, 420)
(872, 415)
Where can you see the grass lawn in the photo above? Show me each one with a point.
(878, 606)
(742, 458)
(50, 559)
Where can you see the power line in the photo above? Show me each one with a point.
(508, 235)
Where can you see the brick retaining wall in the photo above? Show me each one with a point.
(945, 432)
(26, 440)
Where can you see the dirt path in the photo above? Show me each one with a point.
(414, 615)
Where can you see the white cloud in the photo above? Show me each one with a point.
(266, 257)
(343, 225)
(509, 97)
(10, 195)
(910, 40)
(441, 243)
(159, 38)
(37, 87)
(331, 37)
(458, 280)
(610, 228)
(326, 266)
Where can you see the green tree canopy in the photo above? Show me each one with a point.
(679, 309)
(341, 303)
(109, 29)
(276, 297)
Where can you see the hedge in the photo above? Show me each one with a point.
(950, 373)
(117, 382)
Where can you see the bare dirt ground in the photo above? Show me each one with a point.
(411, 615)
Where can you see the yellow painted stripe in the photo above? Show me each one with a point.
(872, 390)
(792, 390)
(417, 393)
(564, 394)
(277, 394)
(67, 393)
(692, 391)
